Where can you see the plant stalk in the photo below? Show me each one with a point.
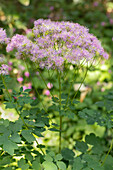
(60, 132)
(107, 153)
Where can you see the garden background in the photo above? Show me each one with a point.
(90, 123)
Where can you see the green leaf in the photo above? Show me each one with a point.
(28, 136)
(9, 146)
(58, 157)
(40, 124)
(10, 105)
(22, 164)
(64, 96)
(93, 162)
(16, 138)
(87, 168)
(4, 122)
(108, 164)
(55, 99)
(67, 113)
(77, 165)
(35, 102)
(36, 165)
(92, 139)
(100, 103)
(96, 142)
(51, 153)
(49, 166)
(28, 156)
(21, 89)
(54, 124)
(16, 126)
(24, 2)
(48, 158)
(75, 101)
(54, 129)
(70, 114)
(67, 154)
(3, 129)
(92, 116)
(61, 165)
(81, 146)
(6, 160)
(8, 168)
(27, 90)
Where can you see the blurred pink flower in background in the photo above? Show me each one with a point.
(24, 88)
(14, 29)
(30, 85)
(102, 62)
(28, 31)
(37, 73)
(15, 97)
(21, 67)
(102, 89)
(103, 23)
(26, 74)
(49, 85)
(111, 21)
(112, 38)
(9, 68)
(10, 63)
(20, 79)
(46, 92)
(27, 86)
(32, 20)
(95, 3)
(51, 8)
(34, 98)
(109, 71)
(98, 83)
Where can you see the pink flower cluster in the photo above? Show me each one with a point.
(56, 43)
(21, 43)
(4, 69)
(3, 36)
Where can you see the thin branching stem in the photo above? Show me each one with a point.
(80, 85)
(36, 89)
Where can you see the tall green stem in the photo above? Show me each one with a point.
(60, 132)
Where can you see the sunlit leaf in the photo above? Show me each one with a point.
(24, 2)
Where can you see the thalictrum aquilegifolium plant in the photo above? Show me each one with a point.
(54, 46)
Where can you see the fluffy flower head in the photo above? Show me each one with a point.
(56, 43)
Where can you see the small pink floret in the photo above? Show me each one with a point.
(26, 74)
(49, 85)
(20, 79)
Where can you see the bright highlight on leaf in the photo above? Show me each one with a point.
(24, 2)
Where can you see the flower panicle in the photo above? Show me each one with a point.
(56, 43)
